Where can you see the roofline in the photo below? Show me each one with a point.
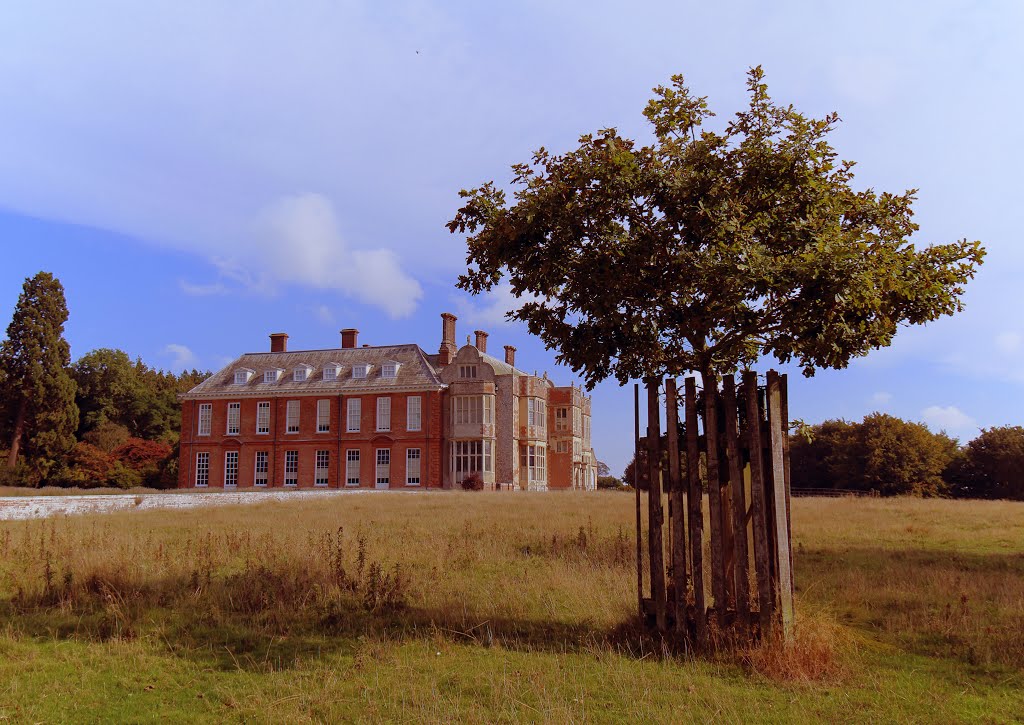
(225, 394)
(329, 349)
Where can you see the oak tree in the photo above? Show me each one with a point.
(705, 249)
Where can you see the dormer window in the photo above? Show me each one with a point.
(359, 371)
(301, 373)
(389, 370)
(272, 376)
(242, 376)
(331, 371)
(467, 371)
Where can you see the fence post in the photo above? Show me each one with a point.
(780, 503)
(694, 502)
(636, 489)
(714, 489)
(762, 554)
(655, 514)
(675, 492)
(739, 506)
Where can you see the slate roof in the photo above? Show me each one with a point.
(414, 373)
(500, 366)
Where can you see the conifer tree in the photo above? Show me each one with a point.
(37, 398)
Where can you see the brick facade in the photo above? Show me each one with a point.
(446, 444)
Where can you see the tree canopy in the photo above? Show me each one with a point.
(992, 465)
(38, 395)
(705, 250)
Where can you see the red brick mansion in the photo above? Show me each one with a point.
(387, 416)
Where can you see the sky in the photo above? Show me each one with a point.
(201, 174)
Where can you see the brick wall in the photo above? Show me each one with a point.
(308, 440)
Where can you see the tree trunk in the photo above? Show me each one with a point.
(19, 429)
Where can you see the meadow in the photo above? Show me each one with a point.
(494, 608)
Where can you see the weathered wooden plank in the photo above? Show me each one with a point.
(714, 498)
(725, 497)
(694, 501)
(762, 554)
(779, 503)
(636, 488)
(740, 569)
(655, 512)
(677, 509)
(784, 389)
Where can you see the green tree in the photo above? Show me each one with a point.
(901, 457)
(705, 250)
(992, 465)
(830, 457)
(38, 394)
(883, 453)
(115, 391)
(107, 388)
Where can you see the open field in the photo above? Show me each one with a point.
(493, 607)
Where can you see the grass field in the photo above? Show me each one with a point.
(494, 607)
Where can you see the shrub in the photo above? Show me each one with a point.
(138, 453)
(121, 476)
(88, 466)
(473, 482)
(107, 436)
(609, 483)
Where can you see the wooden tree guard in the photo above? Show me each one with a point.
(732, 445)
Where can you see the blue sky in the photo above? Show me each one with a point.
(201, 174)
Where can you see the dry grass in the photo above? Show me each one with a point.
(936, 577)
(515, 603)
(75, 491)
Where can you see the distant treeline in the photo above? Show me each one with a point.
(105, 420)
(897, 457)
(129, 421)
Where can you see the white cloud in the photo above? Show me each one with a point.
(988, 356)
(201, 290)
(490, 308)
(297, 240)
(183, 358)
(1009, 342)
(324, 314)
(881, 398)
(949, 418)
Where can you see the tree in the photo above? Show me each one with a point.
(38, 395)
(609, 483)
(901, 457)
(883, 453)
(603, 469)
(114, 390)
(706, 250)
(107, 388)
(829, 457)
(992, 465)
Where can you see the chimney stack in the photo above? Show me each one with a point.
(349, 337)
(481, 340)
(510, 355)
(278, 342)
(448, 349)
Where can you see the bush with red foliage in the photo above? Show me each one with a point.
(138, 453)
(89, 466)
(473, 482)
